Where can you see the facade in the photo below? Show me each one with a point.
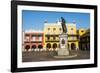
(84, 42)
(33, 40)
(49, 39)
(81, 31)
(73, 43)
(51, 35)
(52, 32)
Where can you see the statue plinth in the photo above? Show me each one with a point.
(63, 50)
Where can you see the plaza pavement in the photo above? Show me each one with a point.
(36, 56)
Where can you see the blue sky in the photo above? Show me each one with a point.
(35, 19)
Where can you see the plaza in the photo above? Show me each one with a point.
(49, 56)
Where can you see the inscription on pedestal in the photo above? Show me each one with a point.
(63, 50)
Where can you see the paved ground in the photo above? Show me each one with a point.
(49, 56)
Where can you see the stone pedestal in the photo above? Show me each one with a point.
(63, 50)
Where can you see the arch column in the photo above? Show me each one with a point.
(69, 46)
(77, 46)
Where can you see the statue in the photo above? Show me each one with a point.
(63, 23)
(63, 51)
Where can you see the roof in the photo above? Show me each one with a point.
(59, 23)
(33, 31)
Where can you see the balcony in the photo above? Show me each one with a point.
(51, 39)
(72, 39)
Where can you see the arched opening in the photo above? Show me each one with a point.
(40, 46)
(27, 47)
(54, 46)
(33, 46)
(48, 46)
(73, 46)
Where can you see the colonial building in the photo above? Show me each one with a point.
(48, 39)
(73, 43)
(33, 40)
(84, 39)
(81, 31)
(51, 35)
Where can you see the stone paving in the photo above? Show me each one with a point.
(35, 56)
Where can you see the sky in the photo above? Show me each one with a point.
(35, 19)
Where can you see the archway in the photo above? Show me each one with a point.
(40, 46)
(54, 46)
(48, 45)
(27, 47)
(33, 46)
(73, 46)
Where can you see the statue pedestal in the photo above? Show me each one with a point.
(63, 50)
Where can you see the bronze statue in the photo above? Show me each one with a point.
(63, 23)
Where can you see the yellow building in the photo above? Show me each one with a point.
(51, 35)
(81, 31)
(72, 36)
(84, 39)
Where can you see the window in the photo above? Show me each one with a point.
(48, 38)
(54, 29)
(82, 31)
(40, 38)
(27, 38)
(36, 38)
(48, 28)
(54, 38)
(72, 32)
(33, 38)
(73, 38)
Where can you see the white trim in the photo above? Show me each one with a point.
(53, 63)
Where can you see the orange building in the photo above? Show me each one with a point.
(33, 40)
